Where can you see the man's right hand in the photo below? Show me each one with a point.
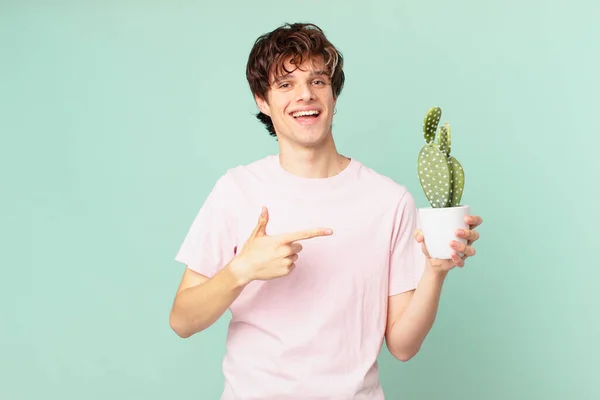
(266, 257)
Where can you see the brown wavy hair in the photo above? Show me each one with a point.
(294, 42)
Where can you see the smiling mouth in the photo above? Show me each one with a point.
(308, 113)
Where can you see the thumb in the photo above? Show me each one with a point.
(259, 229)
(261, 226)
(418, 235)
(424, 250)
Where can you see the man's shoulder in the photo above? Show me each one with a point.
(241, 175)
(381, 182)
(265, 162)
(257, 167)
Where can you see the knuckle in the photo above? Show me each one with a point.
(284, 250)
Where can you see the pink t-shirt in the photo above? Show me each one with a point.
(316, 333)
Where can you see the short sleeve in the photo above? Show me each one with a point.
(407, 260)
(210, 242)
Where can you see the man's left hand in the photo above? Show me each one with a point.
(471, 235)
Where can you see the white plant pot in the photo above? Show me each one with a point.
(439, 227)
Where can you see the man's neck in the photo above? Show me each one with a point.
(312, 163)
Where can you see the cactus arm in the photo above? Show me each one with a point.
(444, 139)
(430, 124)
(458, 181)
(434, 175)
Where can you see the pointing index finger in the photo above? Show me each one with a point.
(307, 234)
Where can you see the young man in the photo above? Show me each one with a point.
(311, 251)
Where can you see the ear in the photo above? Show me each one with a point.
(262, 104)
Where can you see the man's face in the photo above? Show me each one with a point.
(301, 104)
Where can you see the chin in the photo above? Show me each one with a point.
(307, 132)
(311, 138)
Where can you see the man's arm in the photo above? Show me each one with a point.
(200, 301)
(412, 314)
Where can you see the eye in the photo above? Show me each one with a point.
(284, 85)
(319, 82)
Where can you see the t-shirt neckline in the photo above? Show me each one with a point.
(343, 177)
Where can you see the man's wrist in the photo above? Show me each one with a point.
(436, 273)
(239, 272)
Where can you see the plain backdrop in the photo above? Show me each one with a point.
(116, 119)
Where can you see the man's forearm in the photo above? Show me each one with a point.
(198, 307)
(409, 332)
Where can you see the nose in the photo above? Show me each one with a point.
(305, 92)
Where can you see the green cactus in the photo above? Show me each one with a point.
(444, 139)
(441, 175)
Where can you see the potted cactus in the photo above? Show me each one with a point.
(442, 178)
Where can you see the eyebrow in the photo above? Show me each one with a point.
(287, 76)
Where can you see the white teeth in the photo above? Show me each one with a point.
(303, 113)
